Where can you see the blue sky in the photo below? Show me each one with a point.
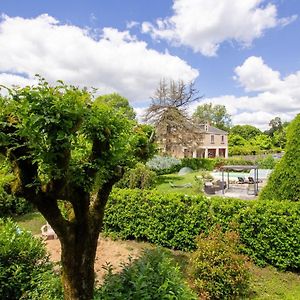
(242, 54)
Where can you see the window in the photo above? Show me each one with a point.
(212, 139)
(222, 139)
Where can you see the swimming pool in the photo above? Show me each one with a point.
(232, 175)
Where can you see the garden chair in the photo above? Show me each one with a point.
(241, 180)
(47, 232)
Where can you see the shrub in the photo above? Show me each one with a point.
(270, 231)
(164, 164)
(22, 257)
(267, 162)
(231, 161)
(198, 163)
(153, 276)
(217, 269)
(141, 177)
(11, 205)
(45, 285)
(284, 183)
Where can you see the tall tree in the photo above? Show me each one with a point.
(245, 131)
(215, 115)
(168, 114)
(64, 148)
(276, 125)
(284, 183)
(119, 102)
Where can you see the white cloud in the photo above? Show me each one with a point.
(255, 75)
(204, 24)
(275, 96)
(114, 61)
(132, 24)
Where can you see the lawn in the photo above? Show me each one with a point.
(31, 222)
(165, 181)
(266, 283)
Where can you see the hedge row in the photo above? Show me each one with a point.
(269, 231)
(159, 165)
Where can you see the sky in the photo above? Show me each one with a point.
(241, 54)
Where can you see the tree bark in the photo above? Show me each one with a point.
(77, 258)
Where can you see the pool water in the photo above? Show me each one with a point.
(232, 175)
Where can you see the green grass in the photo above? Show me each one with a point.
(268, 283)
(31, 222)
(265, 284)
(164, 181)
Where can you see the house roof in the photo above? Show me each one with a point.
(215, 130)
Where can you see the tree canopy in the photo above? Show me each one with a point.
(245, 131)
(119, 102)
(65, 148)
(215, 115)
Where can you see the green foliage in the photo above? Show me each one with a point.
(65, 147)
(152, 276)
(117, 101)
(141, 177)
(22, 257)
(198, 163)
(254, 144)
(215, 115)
(267, 162)
(45, 285)
(231, 161)
(11, 205)
(284, 183)
(217, 269)
(245, 131)
(270, 231)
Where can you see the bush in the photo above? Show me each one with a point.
(141, 177)
(217, 269)
(11, 205)
(22, 257)
(198, 163)
(153, 276)
(269, 231)
(219, 162)
(164, 165)
(267, 162)
(284, 183)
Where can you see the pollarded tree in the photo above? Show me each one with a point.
(65, 149)
(284, 182)
(167, 113)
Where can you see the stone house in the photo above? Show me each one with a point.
(197, 141)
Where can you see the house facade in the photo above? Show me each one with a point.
(215, 143)
(201, 141)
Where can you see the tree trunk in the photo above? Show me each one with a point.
(77, 258)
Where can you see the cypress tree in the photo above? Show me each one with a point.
(284, 182)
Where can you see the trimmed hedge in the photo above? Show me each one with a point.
(269, 231)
